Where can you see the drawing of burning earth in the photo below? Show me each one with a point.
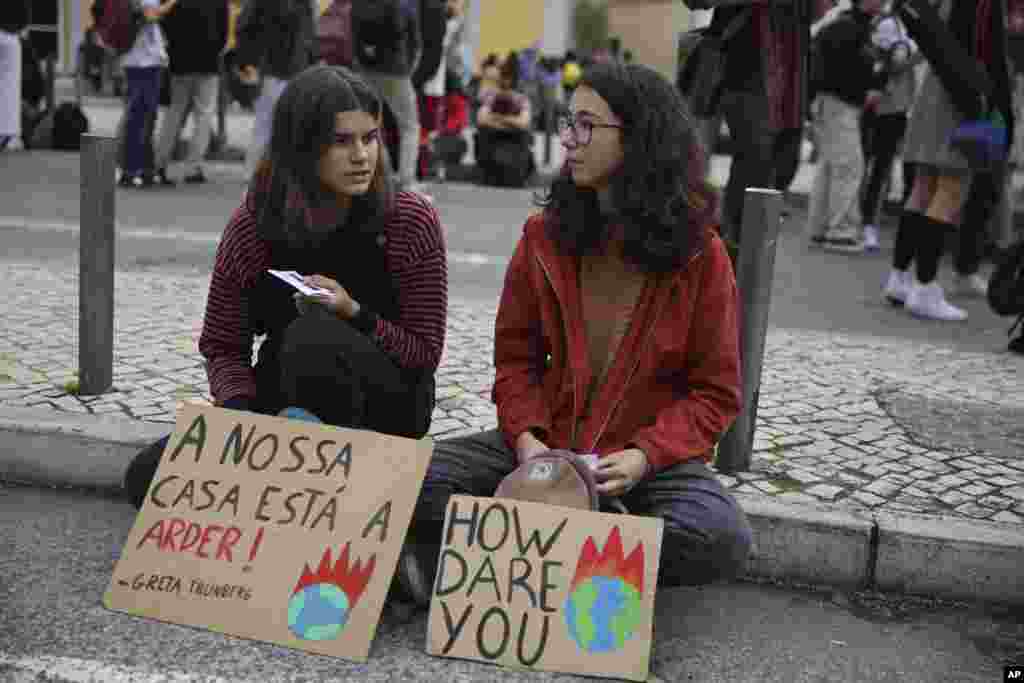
(322, 602)
(603, 608)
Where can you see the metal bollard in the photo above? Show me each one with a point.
(96, 265)
(755, 269)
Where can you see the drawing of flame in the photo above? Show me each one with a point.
(610, 562)
(352, 580)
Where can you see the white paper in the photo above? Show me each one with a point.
(295, 280)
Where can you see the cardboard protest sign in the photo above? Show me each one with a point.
(528, 585)
(272, 529)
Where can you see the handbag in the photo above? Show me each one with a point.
(982, 141)
(703, 71)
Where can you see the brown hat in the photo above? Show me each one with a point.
(557, 477)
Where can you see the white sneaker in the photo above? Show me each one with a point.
(929, 301)
(971, 285)
(897, 287)
(871, 241)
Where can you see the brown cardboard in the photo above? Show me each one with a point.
(510, 566)
(243, 544)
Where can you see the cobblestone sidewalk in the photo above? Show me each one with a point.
(832, 421)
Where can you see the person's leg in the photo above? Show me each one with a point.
(841, 149)
(400, 96)
(469, 465)
(10, 85)
(979, 206)
(918, 195)
(786, 152)
(170, 128)
(263, 108)
(707, 536)
(204, 108)
(748, 117)
(885, 144)
(143, 93)
(926, 298)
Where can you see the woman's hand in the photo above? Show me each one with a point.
(528, 446)
(336, 300)
(248, 74)
(618, 472)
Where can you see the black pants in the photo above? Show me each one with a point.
(504, 157)
(786, 152)
(881, 139)
(752, 141)
(707, 536)
(335, 372)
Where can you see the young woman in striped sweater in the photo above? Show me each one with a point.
(322, 203)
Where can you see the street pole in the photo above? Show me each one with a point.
(754, 274)
(96, 266)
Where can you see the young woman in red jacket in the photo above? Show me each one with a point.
(616, 334)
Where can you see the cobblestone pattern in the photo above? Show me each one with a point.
(821, 435)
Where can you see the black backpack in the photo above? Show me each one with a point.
(377, 27)
(69, 124)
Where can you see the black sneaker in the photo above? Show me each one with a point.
(196, 177)
(160, 178)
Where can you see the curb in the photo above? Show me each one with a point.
(803, 543)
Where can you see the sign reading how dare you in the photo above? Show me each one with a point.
(529, 585)
(272, 529)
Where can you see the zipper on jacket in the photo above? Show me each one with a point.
(568, 355)
(636, 364)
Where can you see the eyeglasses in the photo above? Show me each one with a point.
(582, 130)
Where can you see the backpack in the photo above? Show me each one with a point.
(557, 477)
(60, 128)
(118, 23)
(1006, 286)
(334, 34)
(377, 31)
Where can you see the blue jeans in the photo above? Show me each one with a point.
(707, 537)
(143, 95)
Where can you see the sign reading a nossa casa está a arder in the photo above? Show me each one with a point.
(529, 585)
(278, 530)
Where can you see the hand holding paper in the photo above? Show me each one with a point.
(332, 296)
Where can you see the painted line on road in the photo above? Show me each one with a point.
(169, 233)
(77, 670)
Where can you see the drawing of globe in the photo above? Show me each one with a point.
(318, 612)
(602, 613)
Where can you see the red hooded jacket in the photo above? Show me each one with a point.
(674, 384)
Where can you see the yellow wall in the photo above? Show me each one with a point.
(509, 25)
(649, 28)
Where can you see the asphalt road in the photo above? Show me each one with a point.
(58, 550)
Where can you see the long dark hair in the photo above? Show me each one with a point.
(659, 193)
(286, 187)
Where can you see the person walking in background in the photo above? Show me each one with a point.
(943, 174)
(15, 16)
(764, 90)
(387, 47)
(433, 90)
(197, 32)
(276, 39)
(143, 68)
(898, 56)
(848, 85)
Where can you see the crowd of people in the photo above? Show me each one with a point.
(869, 95)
